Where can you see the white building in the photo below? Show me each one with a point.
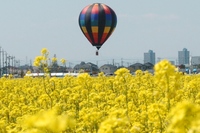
(108, 69)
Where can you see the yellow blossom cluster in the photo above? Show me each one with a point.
(43, 61)
(166, 102)
(63, 61)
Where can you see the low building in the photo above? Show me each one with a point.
(195, 60)
(149, 67)
(108, 69)
(136, 66)
(144, 67)
(86, 67)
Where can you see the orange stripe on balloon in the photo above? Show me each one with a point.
(106, 29)
(95, 29)
(95, 33)
(84, 29)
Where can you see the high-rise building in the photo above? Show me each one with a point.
(149, 57)
(184, 57)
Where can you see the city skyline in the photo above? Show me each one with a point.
(115, 61)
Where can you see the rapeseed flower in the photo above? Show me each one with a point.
(167, 101)
(44, 51)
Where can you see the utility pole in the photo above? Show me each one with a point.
(12, 63)
(14, 67)
(30, 62)
(3, 60)
(9, 57)
(6, 63)
(121, 61)
(30, 67)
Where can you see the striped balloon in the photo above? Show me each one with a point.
(97, 22)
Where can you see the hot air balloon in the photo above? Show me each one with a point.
(97, 22)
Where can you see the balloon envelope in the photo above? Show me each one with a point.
(97, 22)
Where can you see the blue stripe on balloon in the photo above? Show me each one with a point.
(94, 16)
(108, 17)
(94, 19)
(82, 17)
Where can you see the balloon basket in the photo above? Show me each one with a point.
(97, 53)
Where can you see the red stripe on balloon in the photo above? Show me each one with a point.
(85, 10)
(88, 37)
(103, 38)
(106, 9)
(95, 9)
(95, 36)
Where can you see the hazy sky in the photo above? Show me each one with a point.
(164, 26)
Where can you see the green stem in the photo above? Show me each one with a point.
(47, 93)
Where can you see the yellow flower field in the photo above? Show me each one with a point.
(166, 102)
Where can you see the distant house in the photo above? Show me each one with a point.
(86, 67)
(36, 70)
(149, 67)
(108, 69)
(136, 66)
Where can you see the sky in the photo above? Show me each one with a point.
(166, 27)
